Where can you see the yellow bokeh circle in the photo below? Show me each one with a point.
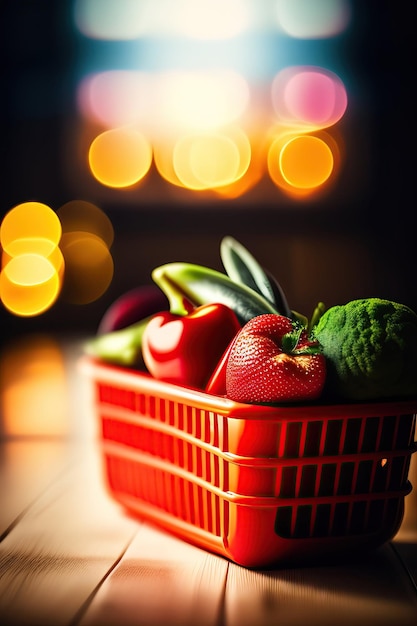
(120, 157)
(306, 162)
(33, 222)
(29, 284)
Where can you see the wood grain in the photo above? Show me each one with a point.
(70, 556)
(161, 580)
(61, 548)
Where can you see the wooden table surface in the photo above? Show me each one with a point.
(71, 556)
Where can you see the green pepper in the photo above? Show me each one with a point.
(186, 282)
(121, 347)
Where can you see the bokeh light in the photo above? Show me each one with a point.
(31, 222)
(312, 97)
(116, 97)
(181, 71)
(131, 19)
(110, 19)
(48, 254)
(32, 264)
(209, 19)
(252, 169)
(206, 161)
(89, 267)
(29, 284)
(313, 19)
(33, 384)
(87, 236)
(303, 165)
(120, 157)
(306, 162)
(199, 100)
(38, 247)
(80, 215)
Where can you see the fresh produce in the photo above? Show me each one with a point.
(371, 349)
(244, 269)
(121, 347)
(234, 334)
(273, 360)
(186, 349)
(201, 285)
(131, 307)
(217, 381)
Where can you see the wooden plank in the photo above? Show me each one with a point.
(373, 591)
(161, 580)
(61, 548)
(26, 470)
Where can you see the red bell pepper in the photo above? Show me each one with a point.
(185, 349)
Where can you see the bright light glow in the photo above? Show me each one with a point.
(205, 162)
(163, 149)
(310, 96)
(214, 160)
(306, 162)
(313, 19)
(183, 81)
(38, 246)
(208, 161)
(32, 263)
(116, 98)
(199, 101)
(89, 267)
(130, 19)
(30, 220)
(166, 101)
(110, 19)
(243, 146)
(210, 19)
(29, 285)
(191, 162)
(302, 165)
(120, 157)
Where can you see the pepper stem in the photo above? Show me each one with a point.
(178, 303)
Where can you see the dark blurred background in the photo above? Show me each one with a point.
(355, 241)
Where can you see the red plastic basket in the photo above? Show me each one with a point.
(260, 485)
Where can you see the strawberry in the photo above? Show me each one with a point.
(274, 360)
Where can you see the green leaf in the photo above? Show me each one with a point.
(279, 296)
(243, 268)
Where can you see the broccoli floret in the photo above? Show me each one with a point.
(371, 349)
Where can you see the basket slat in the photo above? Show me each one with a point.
(256, 484)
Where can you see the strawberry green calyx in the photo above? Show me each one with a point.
(292, 344)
